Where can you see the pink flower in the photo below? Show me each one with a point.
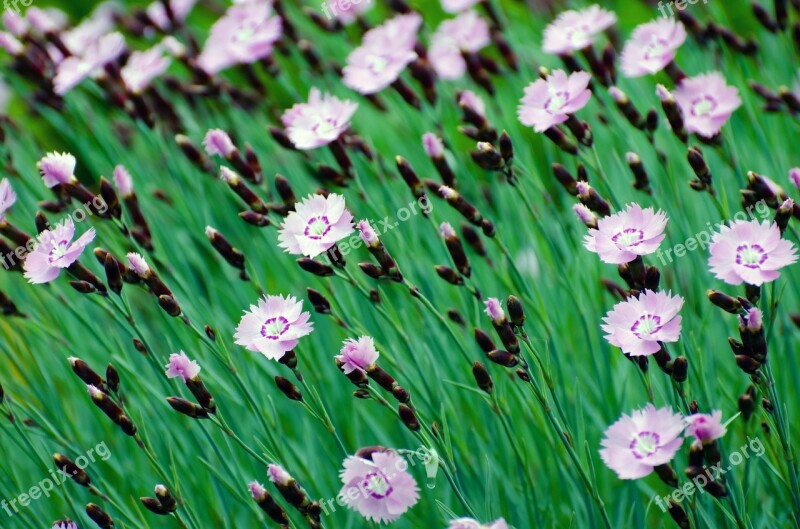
(383, 55)
(457, 6)
(575, 30)
(347, 12)
(123, 180)
(137, 263)
(246, 33)
(621, 237)
(57, 169)
(549, 102)
(470, 523)
(471, 100)
(753, 320)
(257, 490)
(705, 428)
(385, 489)
(433, 145)
(446, 230)
(749, 252)
(73, 70)
(143, 67)
(274, 326)
(55, 251)
(467, 33)
(367, 233)
(218, 143)
(46, 20)
(278, 475)
(9, 43)
(652, 47)
(794, 176)
(66, 525)
(357, 354)
(585, 214)
(637, 443)
(182, 366)
(180, 10)
(319, 122)
(637, 325)
(316, 224)
(706, 103)
(494, 310)
(15, 23)
(7, 198)
(79, 38)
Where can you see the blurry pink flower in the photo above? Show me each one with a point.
(585, 215)
(10, 43)
(73, 70)
(367, 233)
(749, 252)
(15, 23)
(637, 325)
(316, 224)
(446, 230)
(180, 10)
(705, 428)
(471, 100)
(137, 263)
(794, 176)
(575, 30)
(182, 366)
(69, 525)
(637, 443)
(621, 237)
(470, 523)
(457, 6)
(385, 489)
(549, 102)
(218, 143)
(100, 23)
(652, 47)
(399, 32)
(274, 326)
(7, 198)
(433, 145)
(257, 490)
(494, 309)
(347, 12)
(278, 475)
(753, 320)
(357, 354)
(55, 251)
(706, 103)
(246, 33)
(142, 67)
(57, 169)
(46, 20)
(467, 33)
(123, 180)
(319, 122)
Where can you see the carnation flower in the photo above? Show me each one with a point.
(158, 13)
(467, 33)
(55, 251)
(15, 23)
(637, 443)
(10, 43)
(246, 33)
(46, 20)
(705, 428)
(471, 100)
(794, 176)
(7, 198)
(319, 122)
(73, 70)
(749, 252)
(470, 523)
(621, 237)
(278, 475)
(494, 309)
(367, 233)
(385, 488)
(274, 326)
(575, 30)
(706, 103)
(182, 366)
(218, 143)
(90, 30)
(652, 47)
(637, 325)
(57, 169)
(398, 32)
(123, 180)
(433, 145)
(316, 224)
(65, 525)
(357, 354)
(347, 12)
(457, 6)
(143, 67)
(549, 102)
(137, 263)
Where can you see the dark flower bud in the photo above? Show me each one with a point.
(256, 219)
(680, 369)
(99, 516)
(449, 275)
(83, 287)
(77, 474)
(640, 179)
(318, 301)
(561, 140)
(233, 256)
(285, 190)
(401, 394)
(268, 504)
(153, 505)
(503, 358)
(288, 389)
(473, 238)
(723, 301)
(372, 270)
(113, 270)
(315, 267)
(667, 474)
(679, 515)
(280, 136)
(289, 359)
(112, 376)
(170, 305)
(506, 148)
(188, 408)
(86, 373)
(484, 341)
(409, 418)
(482, 377)
(564, 177)
(515, 312)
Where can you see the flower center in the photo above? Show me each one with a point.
(628, 237)
(58, 251)
(556, 102)
(646, 325)
(317, 227)
(376, 63)
(750, 255)
(274, 328)
(578, 35)
(245, 32)
(655, 49)
(377, 485)
(644, 444)
(703, 105)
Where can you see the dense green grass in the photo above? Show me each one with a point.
(561, 292)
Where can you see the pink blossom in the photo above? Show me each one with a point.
(753, 320)
(246, 33)
(180, 10)
(348, 12)
(10, 43)
(446, 230)
(137, 263)
(15, 23)
(471, 100)
(79, 38)
(57, 169)
(357, 354)
(467, 33)
(433, 145)
(55, 251)
(637, 325)
(278, 475)
(319, 122)
(367, 233)
(621, 237)
(585, 214)
(274, 326)
(46, 20)
(398, 32)
(123, 180)
(316, 224)
(706, 103)
(457, 6)
(749, 252)
(142, 67)
(66, 525)
(637, 443)
(794, 176)
(470, 523)
(652, 47)
(73, 70)
(705, 428)
(576, 30)
(7, 198)
(494, 310)
(257, 490)
(218, 143)
(182, 366)
(385, 488)
(549, 102)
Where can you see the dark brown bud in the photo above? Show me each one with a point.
(99, 516)
(372, 270)
(288, 389)
(767, 405)
(315, 267)
(233, 256)
(652, 278)
(564, 177)
(484, 341)
(503, 358)
(269, 505)
(153, 505)
(409, 418)
(285, 190)
(640, 179)
(188, 408)
(561, 140)
(42, 224)
(764, 18)
(515, 312)
(69, 467)
(473, 238)
(280, 136)
(139, 346)
(201, 394)
(482, 377)
(112, 411)
(356, 376)
(680, 369)
(83, 287)
(401, 394)
(86, 373)
(170, 305)
(667, 474)
(456, 317)
(723, 301)
(487, 157)
(381, 377)
(113, 270)
(747, 364)
(679, 515)
(112, 376)
(448, 274)
(256, 219)
(318, 301)
(506, 148)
